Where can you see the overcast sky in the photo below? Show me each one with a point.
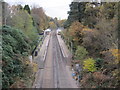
(53, 8)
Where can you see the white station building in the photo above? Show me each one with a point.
(47, 32)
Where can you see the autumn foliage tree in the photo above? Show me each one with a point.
(97, 32)
(41, 20)
(75, 32)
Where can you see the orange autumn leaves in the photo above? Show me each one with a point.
(116, 54)
(77, 31)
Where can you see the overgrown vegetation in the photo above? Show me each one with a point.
(90, 32)
(22, 20)
(94, 27)
(16, 48)
(89, 65)
(80, 53)
(20, 35)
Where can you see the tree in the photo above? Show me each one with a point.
(96, 30)
(81, 53)
(41, 20)
(81, 8)
(52, 25)
(108, 10)
(5, 12)
(75, 32)
(73, 14)
(27, 8)
(12, 11)
(61, 22)
(91, 15)
(76, 13)
(23, 21)
(15, 48)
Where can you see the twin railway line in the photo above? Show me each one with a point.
(54, 74)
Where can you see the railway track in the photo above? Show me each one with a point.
(56, 64)
(54, 74)
(61, 68)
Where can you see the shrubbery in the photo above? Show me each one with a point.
(99, 63)
(15, 50)
(80, 53)
(96, 29)
(89, 65)
(19, 41)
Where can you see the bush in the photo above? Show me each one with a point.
(99, 63)
(89, 65)
(80, 53)
(14, 46)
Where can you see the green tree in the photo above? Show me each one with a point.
(76, 13)
(27, 8)
(23, 21)
(81, 8)
(81, 53)
(91, 15)
(15, 46)
(73, 14)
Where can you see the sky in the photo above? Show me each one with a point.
(53, 8)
